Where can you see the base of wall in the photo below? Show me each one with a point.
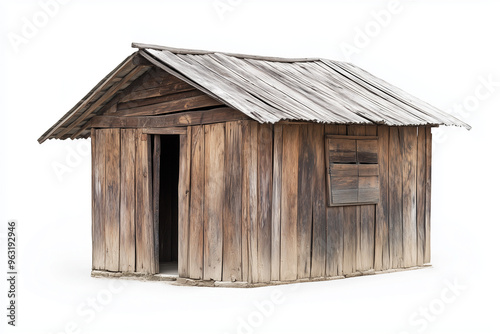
(222, 284)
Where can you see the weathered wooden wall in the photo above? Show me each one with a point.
(253, 203)
(267, 220)
(122, 222)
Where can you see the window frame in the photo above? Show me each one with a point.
(330, 199)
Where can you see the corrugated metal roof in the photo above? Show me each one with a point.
(270, 89)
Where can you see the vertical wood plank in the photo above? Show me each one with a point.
(428, 171)
(382, 256)
(319, 243)
(367, 236)
(410, 196)
(245, 193)
(253, 205)
(334, 222)
(335, 241)
(356, 130)
(264, 172)
(144, 216)
(350, 239)
(304, 201)
(196, 202)
(231, 257)
(112, 215)
(156, 199)
(184, 199)
(276, 203)
(371, 130)
(127, 201)
(395, 198)
(214, 201)
(421, 195)
(98, 199)
(288, 268)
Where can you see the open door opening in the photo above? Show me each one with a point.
(167, 214)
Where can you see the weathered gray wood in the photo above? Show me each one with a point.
(276, 203)
(144, 216)
(367, 237)
(335, 241)
(216, 115)
(289, 187)
(213, 201)
(410, 196)
(127, 200)
(253, 275)
(265, 176)
(428, 170)
(421, 165)
(245, 199)
(351, 238)
(382, 256)
(182, 104)
(98, 199)
(156, 199)
(304, 201)
(334, 222)
(196, 202)
(112, 199)
(396, 197)
(231, 257)
(165, 131)
(184, 195)
(319, 243)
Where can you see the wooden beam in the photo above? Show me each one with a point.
(165, 131)
(109, 93)
(182, 104)
(181, 119)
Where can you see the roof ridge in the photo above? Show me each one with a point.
(236, 55)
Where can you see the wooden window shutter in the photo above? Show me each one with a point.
(353, 171)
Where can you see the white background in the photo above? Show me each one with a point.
(440, 51)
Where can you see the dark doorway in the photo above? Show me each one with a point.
(168, 204)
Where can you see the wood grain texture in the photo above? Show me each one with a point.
(335, 241)
(231, 257)
(253, 274)
(351, 237)
(334, 222)
(289, 188)
(276, 203)
(184, 201)
(304, 201)
(245, 199)
(319, 243)
(382, 256)
(196, 202)
(421, 165)
(98, 199)
(367, 237)
(396, 198)
(112, 199)
(410, 196)
(214, 201)
(156, 142)
(428, 179)
(145, 261)
(265, 176)
(127, 201)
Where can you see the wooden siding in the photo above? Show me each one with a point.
(252, 203)
(275, 225)
(123, 231)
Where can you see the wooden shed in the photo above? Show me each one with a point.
(242, 168)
